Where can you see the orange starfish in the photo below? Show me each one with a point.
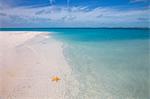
(56, 78)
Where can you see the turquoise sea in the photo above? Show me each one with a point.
(108, 63)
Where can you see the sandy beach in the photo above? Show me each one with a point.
(28, 61)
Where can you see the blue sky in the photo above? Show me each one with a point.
(74, 13)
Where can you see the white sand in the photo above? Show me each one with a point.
(28, 60)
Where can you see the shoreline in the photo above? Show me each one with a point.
(28, 62)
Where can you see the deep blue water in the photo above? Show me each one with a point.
(103, 34)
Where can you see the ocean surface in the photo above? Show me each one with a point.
(107, 63)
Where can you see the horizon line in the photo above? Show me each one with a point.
(74, 28)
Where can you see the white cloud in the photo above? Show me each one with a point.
(75, 16)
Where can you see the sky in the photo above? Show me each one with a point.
(74, 13)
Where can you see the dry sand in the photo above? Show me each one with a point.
(28, 61)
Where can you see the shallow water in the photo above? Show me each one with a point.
(111, 69)
(107, 63)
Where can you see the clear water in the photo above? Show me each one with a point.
(111, 69)
(108, 63)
